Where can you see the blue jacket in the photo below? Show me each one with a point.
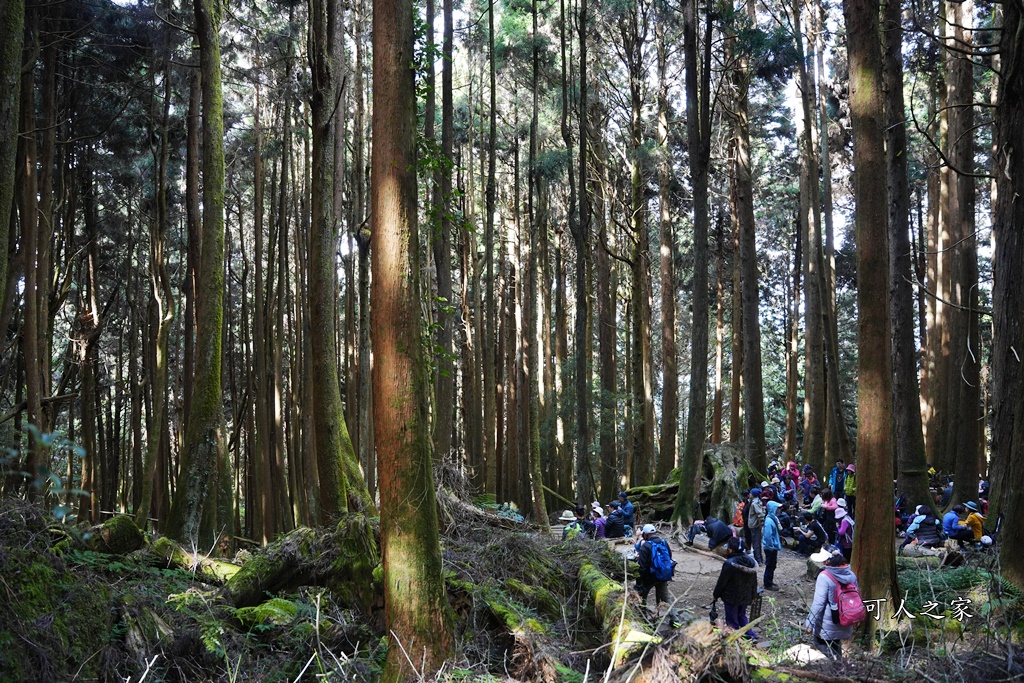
(950, 522)
(630, 512)
(770, 536)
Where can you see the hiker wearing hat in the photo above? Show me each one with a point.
(615, 523)
(924, 529)
(844, 534)
(974, 519)
(648, 579)
(821, 622)
(737, 586)
(598, 519)
(572, 528)
(850, 490)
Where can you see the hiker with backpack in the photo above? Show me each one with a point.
(755, 522)
(837, 605)
(656, 566)
(737, 586)
(844, 535)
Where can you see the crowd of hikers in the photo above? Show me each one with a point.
(795, 510)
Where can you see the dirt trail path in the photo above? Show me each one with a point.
(696, 575)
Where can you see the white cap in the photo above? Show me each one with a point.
(821, 555)
(648, 529)
(986, 540)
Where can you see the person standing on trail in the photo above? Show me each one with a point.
(772, 545)
(645, 558)
(850, 490)
(837, 478)
(628, 510)
(828, 633)
(755, 521)
(737, 586)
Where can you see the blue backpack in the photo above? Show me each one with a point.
(662, 564)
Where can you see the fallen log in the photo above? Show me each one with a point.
(454, 515)
(620, 625)
(208, 569)
(342, 559)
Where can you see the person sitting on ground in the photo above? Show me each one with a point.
(837, 478)
(924, 530)
(954, 529)
(718, 533)
(572, 528)
(785, 520)
(809, 481)
(788, 487)
(828, 635)
(647, 580)
(598, 519)
(772, 545)
(615, 523)
(586, 525)
(628, 509)
(844, 534)
(793, 470)
(811, 536)
(769, 492)
(737, 586)
(974, 519)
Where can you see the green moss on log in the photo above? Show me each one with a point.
(619, 623)
(118, 536)
(542, 599)
(207, 568)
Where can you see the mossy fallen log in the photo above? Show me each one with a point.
(726, 471)
(455, 514)
(208, 569)
(622, 629)
(117, 536)
(546, 602)
(342, 559)
(697, 649)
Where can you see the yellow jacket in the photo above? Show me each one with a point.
(850, 488)
(974, 521)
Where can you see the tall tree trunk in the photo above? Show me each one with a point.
(793, 351)
(874, 556)
(667, 450)
(12, 25)
(162, 294)
(533, 338)
(444, 386)
(203, 492)
(606, 330)
(698, 129)
(584, 478)
(750, 289)
(719, 396)
(1008, 299)
(490, 313)
(815, 397)
(565, 479)
(736, 371)
(336, 459)
(912, 468)
(193, 226)
(415, 606)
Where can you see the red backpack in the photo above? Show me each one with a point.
(850, 609)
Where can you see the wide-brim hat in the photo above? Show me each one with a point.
(840, 513)
(851, 468)
(841, 503)
(567, 516)
(597, 506)
(972, 506)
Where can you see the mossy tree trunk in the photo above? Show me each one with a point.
(204, 484)
(1008, 399)
(415, 603)
(874, 556)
